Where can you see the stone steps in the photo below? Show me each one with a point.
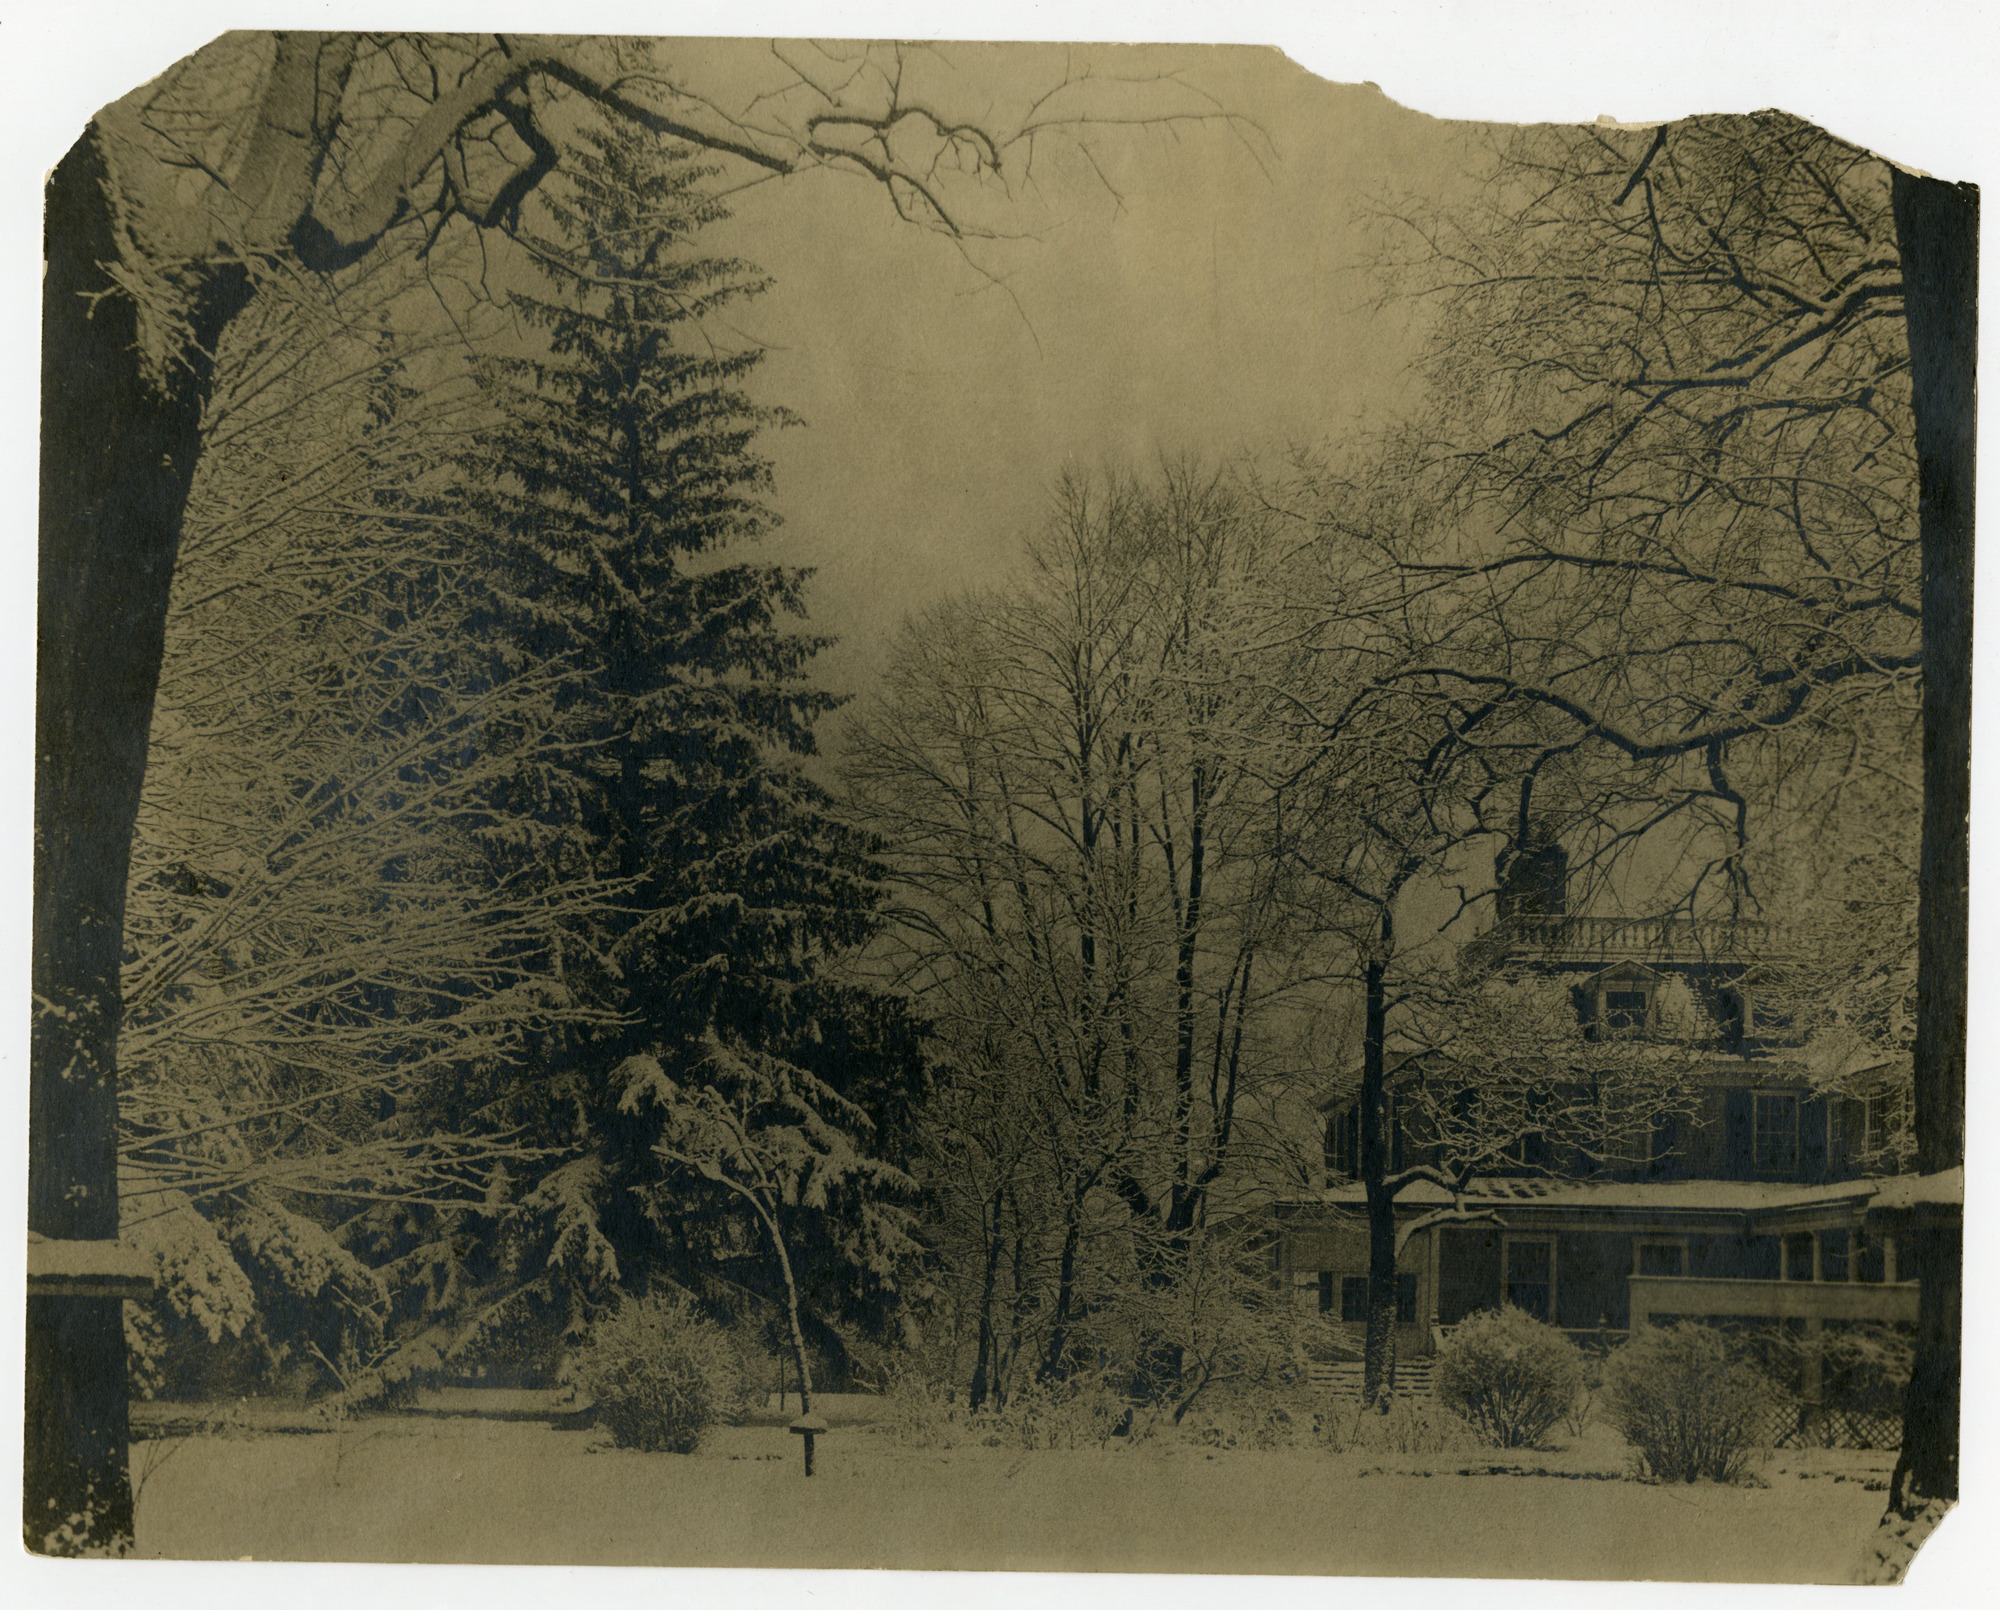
(1342, 1378)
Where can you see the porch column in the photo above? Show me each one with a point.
(1889, 1260)
(1811, 1382)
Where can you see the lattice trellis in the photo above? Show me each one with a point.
(1787, 1425)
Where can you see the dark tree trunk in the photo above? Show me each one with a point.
(1931, 1251)
(988, 1346)
(77, 1492)
(1055, 1361)
(1187, 951)
(1378, 1349)
(1938, 229)
(118, 454)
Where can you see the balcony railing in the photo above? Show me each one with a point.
(1693, 1297)
(1609, 939)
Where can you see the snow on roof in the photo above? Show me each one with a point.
(1759, 1070)
(1913, 1190)
(1729, 1196)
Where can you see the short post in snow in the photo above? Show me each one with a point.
(809, 1426)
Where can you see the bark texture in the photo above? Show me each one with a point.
(118, 453)
(1938, 229)
(1378, 1348)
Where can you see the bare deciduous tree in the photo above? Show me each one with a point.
(330, 920)
(1424, 790)
(1706, 387)
(1075, 782)
(265, 154)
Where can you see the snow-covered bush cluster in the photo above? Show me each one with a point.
(1509, 1376)
(1686, 1401)
(661, 1375)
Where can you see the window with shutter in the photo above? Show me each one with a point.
(1774, 1140)
(1343, 1143)
(1736, 1133)
(1814, 1112)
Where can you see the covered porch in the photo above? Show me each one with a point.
(1599, 1259)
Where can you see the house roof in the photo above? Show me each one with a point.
(1756, 1207)
(1754, 1071)
(1922, 1190)
(1729, 1196)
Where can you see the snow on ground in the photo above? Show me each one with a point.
(482, 1491)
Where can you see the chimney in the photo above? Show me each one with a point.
(1532, 879)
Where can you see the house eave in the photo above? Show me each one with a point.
(1759, 1207)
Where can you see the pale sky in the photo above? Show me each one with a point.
(1214, 305)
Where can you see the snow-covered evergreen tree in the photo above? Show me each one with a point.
(606, 509)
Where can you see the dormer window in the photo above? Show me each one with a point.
(1626, 1008)
(1622, 999)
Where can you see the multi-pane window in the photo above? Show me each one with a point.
(1854, 1124)
(1343, 1143)
(1625, 1008)
(1881, 1119)
(1531, 1277)
(1662, 1258)
(1774, 1133)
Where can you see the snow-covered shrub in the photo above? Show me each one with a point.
(1261, 1417)
(919, 1413)
(1402, 1425)
(1864, 1368)
(661, 1375)
(1589, 1383)
(1508, 1375)
(1687, 1401)
(251, 1298)
(1085, 1411)
(1276, 1416)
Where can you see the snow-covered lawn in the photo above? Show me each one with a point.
(480, 1491)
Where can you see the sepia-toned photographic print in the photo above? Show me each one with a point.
(993, 807)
